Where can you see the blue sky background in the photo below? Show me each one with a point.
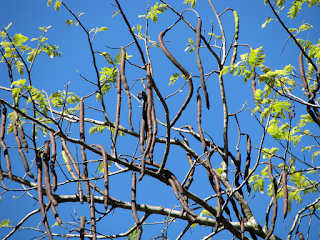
(53, 75)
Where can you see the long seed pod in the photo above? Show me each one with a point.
(154, 133)
(134, 205)
(217, 184)
(93, 217)
(83, 153)
(182, 202)
(73, 161)
(68, 165)
(22, 155)
(183, 70)
(3, 145)
(116, 125)
(246, 170)
(40, 196)
(82, 225)
(274, 201)
(46, 158)
(53, 160)
(237, 173)
(285, 193)
(204, 145)
(190, 177)
(236, 37)
(125, 84)
(198, 42)
(143, 128)
(149, 122)
(23, 137)
(153, 121)
(106, 175)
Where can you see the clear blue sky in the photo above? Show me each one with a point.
(53, 75)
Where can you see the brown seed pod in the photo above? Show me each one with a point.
(3, 145)
(285, 193)
(274, 201)
(46, 158)
(53, 160)
(116, 125)
(183, 70)
(236, 37)
(134, 204)
(40, 196)
(125, 84)
(22, 155)
(23, 137)
(237, 172)
(106, 175)
(143, 128)
(203, 84)
(246, 170)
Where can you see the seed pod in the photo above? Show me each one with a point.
(125, 84)
(143, 128)
(53, 160)
(183, 70)
(237, 173)
(40, 196)
(68, 165)
(46, 157)
(22, 155)
(116, 125)
(236, 37)
(274, 201)
(3, 145)
(134, 204)
(246, 170)
(285, 193)
(106, 174)
(23, 137)
(198, 42)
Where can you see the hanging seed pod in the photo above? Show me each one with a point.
(125, 84)
(53, 160)
(46, 158)
(23, 137)
(106, 175)
(285, 193)
(236, 37)
(3, 145)
(203, 84)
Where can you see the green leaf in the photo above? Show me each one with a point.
(69, 22)
(19, 38)
(57, 5)
(193, 2)
(5, 223)
(102, 29)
